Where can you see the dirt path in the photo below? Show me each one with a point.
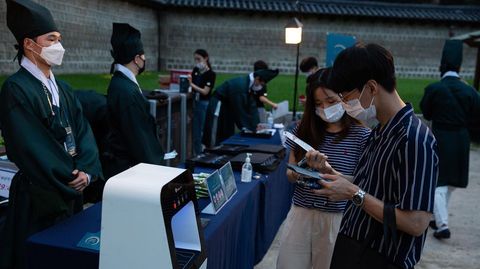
(462, 250)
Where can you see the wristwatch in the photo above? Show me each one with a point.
(358, 198)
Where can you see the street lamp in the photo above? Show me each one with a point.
(293, 35)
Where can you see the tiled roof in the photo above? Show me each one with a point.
(467, 14)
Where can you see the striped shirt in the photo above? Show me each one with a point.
(342, 156)
(399, 166)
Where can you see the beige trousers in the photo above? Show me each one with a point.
(308, 239)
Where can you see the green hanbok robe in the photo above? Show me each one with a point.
(239, 108)
(133, 136)
(34, 140)
(451, 105)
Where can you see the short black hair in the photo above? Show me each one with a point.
(259, 65)
(358, 64)
(308, 63)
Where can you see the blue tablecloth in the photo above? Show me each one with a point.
(275, 197)
(237, 237)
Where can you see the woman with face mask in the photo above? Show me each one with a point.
(202, 82)
(313, 222)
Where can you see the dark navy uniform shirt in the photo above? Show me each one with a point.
(399, 166)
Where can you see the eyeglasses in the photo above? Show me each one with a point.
(343, 97)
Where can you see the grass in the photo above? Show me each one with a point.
(281, 88)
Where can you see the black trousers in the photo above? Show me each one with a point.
(350, 253)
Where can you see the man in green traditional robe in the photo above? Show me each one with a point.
(238, 105)
(133, 136)
(45, 134)
(450, 104)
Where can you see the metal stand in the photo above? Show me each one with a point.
(296, 86)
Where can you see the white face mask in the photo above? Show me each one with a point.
(201, 65)
(53, 54)
(256, 88)
(331, 114)
(355, 110)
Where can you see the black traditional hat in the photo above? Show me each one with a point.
(126, 43)
(27, 19)
(266, 74)
(452, 55)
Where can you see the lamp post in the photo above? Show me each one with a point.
(293, 35)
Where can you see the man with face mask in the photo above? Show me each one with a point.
(133, 136)
(260, 93)
(391, 193)
(238, 106)
(45, 134)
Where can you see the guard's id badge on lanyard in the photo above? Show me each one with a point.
(69, 143)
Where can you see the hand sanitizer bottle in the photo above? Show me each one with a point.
(247, 169)
(270, 120)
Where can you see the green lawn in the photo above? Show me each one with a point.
(281, 88)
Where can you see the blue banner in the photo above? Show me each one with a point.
(335, 44)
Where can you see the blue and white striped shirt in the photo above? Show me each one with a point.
(399, 166)
(343, 156)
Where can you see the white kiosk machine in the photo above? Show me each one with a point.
(150, 219)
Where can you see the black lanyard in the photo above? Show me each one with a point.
(69, 143)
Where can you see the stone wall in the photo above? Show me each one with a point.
(235, 40)
(86, 26)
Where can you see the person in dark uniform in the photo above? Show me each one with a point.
(237, 108)
(133, 136)
(261, 95)
(450, 104)
(309, 66)
(202, 82)
(45, 132)
(94, 106)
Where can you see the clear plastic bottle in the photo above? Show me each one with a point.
(270, 119)
(247, 169)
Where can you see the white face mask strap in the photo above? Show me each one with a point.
(361, 94)
(32, 50)
(363, 90)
